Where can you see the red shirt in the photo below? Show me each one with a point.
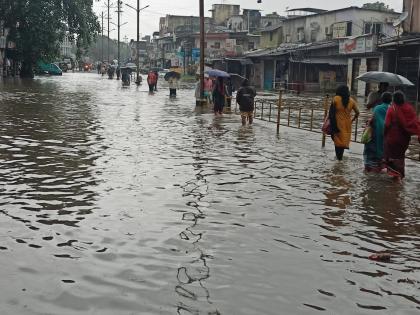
(401, 123)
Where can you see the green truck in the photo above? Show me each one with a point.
(48, 68)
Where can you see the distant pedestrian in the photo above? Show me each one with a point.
(341, 120)
(373, 152)
(173, 85)
(151, 81)
(229, 92)
(208, 89)
(375, 97)
(219, 96)
(157, 79)
(245, 98)
(197, 92)
(118, 72)
(401, 123)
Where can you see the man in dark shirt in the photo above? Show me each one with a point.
(245, 99)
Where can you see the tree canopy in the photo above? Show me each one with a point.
(378, 5)
(38, 26)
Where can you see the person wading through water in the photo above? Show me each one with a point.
(151, 81)
(245, 99)
(341, 120)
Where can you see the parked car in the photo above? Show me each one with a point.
(48, 68)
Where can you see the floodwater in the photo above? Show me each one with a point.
(114, 201)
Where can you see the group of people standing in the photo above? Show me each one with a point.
(393, 121)
(152, 81)
(219, 91)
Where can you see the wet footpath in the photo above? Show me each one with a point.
(117, 202)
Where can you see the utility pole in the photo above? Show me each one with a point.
(138, 9)
(202, 31)
(126, 47)
(102, 39)
(119, 2)
(138, 45)
(109, 18)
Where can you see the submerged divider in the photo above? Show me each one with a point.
(309, 118)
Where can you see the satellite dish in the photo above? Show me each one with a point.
(400, 19)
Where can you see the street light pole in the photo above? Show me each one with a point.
(118, 26)
(138, 45)
(202, 30)
(138, 38)
(102, 39)
(109, 17)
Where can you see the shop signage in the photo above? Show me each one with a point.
(339, 29)
(357, 45)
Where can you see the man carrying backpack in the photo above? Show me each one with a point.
(245, 99)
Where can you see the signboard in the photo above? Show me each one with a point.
(358, 45)
(195, 54)
(339, 29)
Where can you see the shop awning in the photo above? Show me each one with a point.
(243, 61)
(325, 60)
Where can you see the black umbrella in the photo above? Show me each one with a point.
(172, 74)
(237, 80)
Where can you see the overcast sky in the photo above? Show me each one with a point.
(149, 19)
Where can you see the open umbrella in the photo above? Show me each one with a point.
(392, 79)
(217, 73)
(237, 80)
(172, 74)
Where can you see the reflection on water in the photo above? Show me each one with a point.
(114, 201)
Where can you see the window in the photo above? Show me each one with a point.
(251, 45)
(300, 34)
(373, 28)
(314, 34)
(271, 36)
(217, 45)
(349, 28)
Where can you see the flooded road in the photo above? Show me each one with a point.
(114, 201)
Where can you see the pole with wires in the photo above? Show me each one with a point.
(202, 31)
(138, 44)
(102, 39)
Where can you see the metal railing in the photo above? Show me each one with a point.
(309, 118)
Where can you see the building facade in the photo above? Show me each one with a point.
(309, 50)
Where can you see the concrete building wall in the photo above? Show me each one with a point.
(271, 39)
(412, 23)
(290, 27)
(321, 27)
(222, 12)
(236, 23)
(272, 19)
(180, 23)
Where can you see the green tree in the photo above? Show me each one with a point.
(38, 27)
(378, 5)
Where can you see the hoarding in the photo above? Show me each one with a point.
(357, 45)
